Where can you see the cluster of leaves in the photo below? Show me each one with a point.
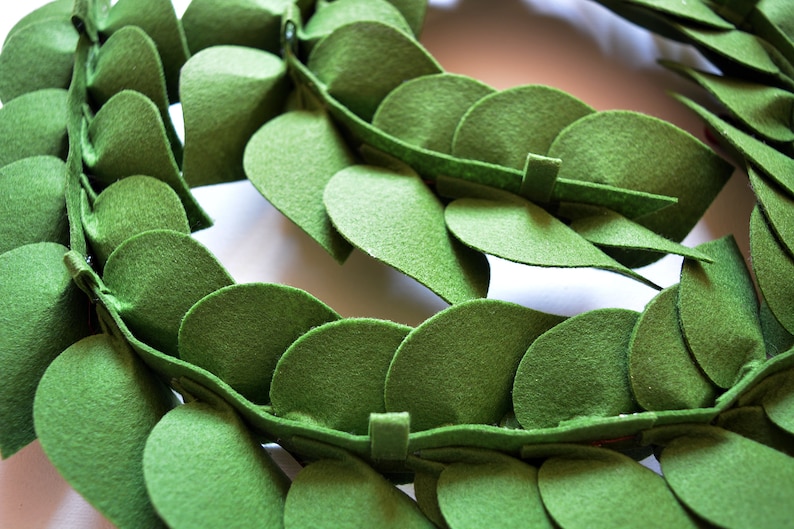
(482, 403)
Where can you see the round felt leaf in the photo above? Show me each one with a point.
(662, 372)
(34, 124)
(156, 277)
(349, 360)
(41, 313)
(774, 270)
(290, 160)
(362, 62)
(503, 127)
(204, 470)
(698, 13)
(777, 206)
(131, 206)
(94, 409)
(61, 9)
(606, 490)
(333, 15)
(239, 332)
(779, 402)
(458, 366)
(562, 377)
(729, 480)
(718, 310)
(425, 111)
(34, 207)
(227, 93)
(396, 219)
(346, 495)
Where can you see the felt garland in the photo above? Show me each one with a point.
(497, 412)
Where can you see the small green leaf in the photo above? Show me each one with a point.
(779, 402)
(774, 270)
(777, 205)
(333, 15)
(34, 124)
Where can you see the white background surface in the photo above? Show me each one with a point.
(575, 45)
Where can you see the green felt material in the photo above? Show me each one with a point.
(778, 207)
(349, 360)
(779, 402)
(503, 127)
(40, 55)
(34, 209)
(772, 21)
(227, 93)
(752, 422)
(777, 339)
(127, 137)
(347, 494)
(396, 219)
(425, 486)
(360, 63)
(239, 332)
(413, 11)
(389, 434)
(468, 355)
(333, 15)
(290, 160)
(562, 377)
(718, 310)
(154, 299)
(774, 270)
(128, 207)
(57, 9)
(251, 23)
(540, 178)
(34, 124)
(729, 480)
(94, 409)
(500, 494)
(158, 19)
(522, 232)
(202, 455)
(605, 490)
(41, 313)
(425, 111)
(697, 12)
(662, 372)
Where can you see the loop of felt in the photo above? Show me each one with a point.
(128, 207)
(777, 207)
(502, 127)
(202, 454)
(156, 276)
(779, 402)
(239, 332)
(468, 355)
(774, 269)
(290, 160)
(729, 480)
(333, 15)
(34, 124)
(389, 434)
(41, 313)
(540, 178)
(349, 359)
(94, 408)
(360, 63)
(396, 219)
(718, 310)
(227, 93)
(561, 377)
(34, 208)
(425, 111)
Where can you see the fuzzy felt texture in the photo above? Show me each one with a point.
(774, 269)
(778, 207)
(332, 15)
(34, 124)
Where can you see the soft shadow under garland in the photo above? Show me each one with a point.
(503, 416)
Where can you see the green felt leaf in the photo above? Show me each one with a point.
(425, 485)
(522, 232)
(290, 160)
(37, 56)
(250, 23)
(697, 12)
(718, 310)
(349, 360)
(776, 337)
(94, 409)
(239, 332)
(503, 127)
(41, 313)
(333, 15)
(152, 300)
(57, 9)
(662, 372)
(777, 206)
(636, 151)
(729, 480)
(34, 207)
(128, 207)
(499, 494)
(362, 62)
(600, 488)
(204, 470)
(227, 93)
(34, 124)
(774, 270)
(779, 402)
(413, 11)
(753, 423)
(562, 377)
(396, 219)
(458, 366)
(425, 111)
(348, 494)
